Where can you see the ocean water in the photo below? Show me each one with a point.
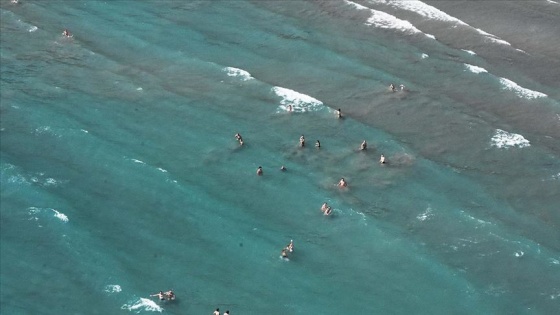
(121, 176)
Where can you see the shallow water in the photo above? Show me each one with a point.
(121, 176)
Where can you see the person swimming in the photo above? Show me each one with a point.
(239, 138)
(401, 87)
(363, 146)
(66, 33)
(342, 183)
(160, 295)
(216, 312)
(284, 253)
(170, 295)
(290, 247)
(317, 144)
(226, 312)
(338, 113)
(290, 108)
(302, 141)
(283, 168)
(382, 159)
(260, 171)
(326, 209)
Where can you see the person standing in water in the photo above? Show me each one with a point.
(302, 141)
(260, 171)
(363, 146)
(317, 144)
(338, 113)
(382, 159)
(342, 183)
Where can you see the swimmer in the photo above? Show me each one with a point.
(392, 87)
(382, 159)
(14, 1)
(170, 295)
(159, 295)
(338, 113)
(317, 144)
(216, 312)
(284, 254)
(239, 138)
(66, 33)
(283, 168)
(290, 108)
(326, 209)
(363, 146)
(226, 313)
(290, 247)
(259, 171)
(402, 87)
(302, 141)
(342, 183)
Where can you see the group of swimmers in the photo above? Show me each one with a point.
(288, 249)
(168, 295)
(217, 312)
(394, 89)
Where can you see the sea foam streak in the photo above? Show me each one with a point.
(504, 139)
(433, 13)
(520, 91)
(234, 72)
(426, 10)
(475, 69)
(384, 20)
(113, 288)
(142, 304)
(60, 215)
(300, 102)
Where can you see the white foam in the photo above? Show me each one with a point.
(235, 72)
(504, 139)
(520, 91)
(33, 29)
(50, 182)
(426, 10)
(519, 253)
(356, 5)
(84, 131)
(300, 102)
(492, 38)
(550, 1)
(142, 304)
(470, 52)
(425, 215)
(424, 56)
(475, 69)
(430, 36)
(113, 288)
(139, 89)
(137, 161)
(61, 216)
(46, 130)
(385, 20)
(162, 170)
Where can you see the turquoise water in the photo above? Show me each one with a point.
(121, 176)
